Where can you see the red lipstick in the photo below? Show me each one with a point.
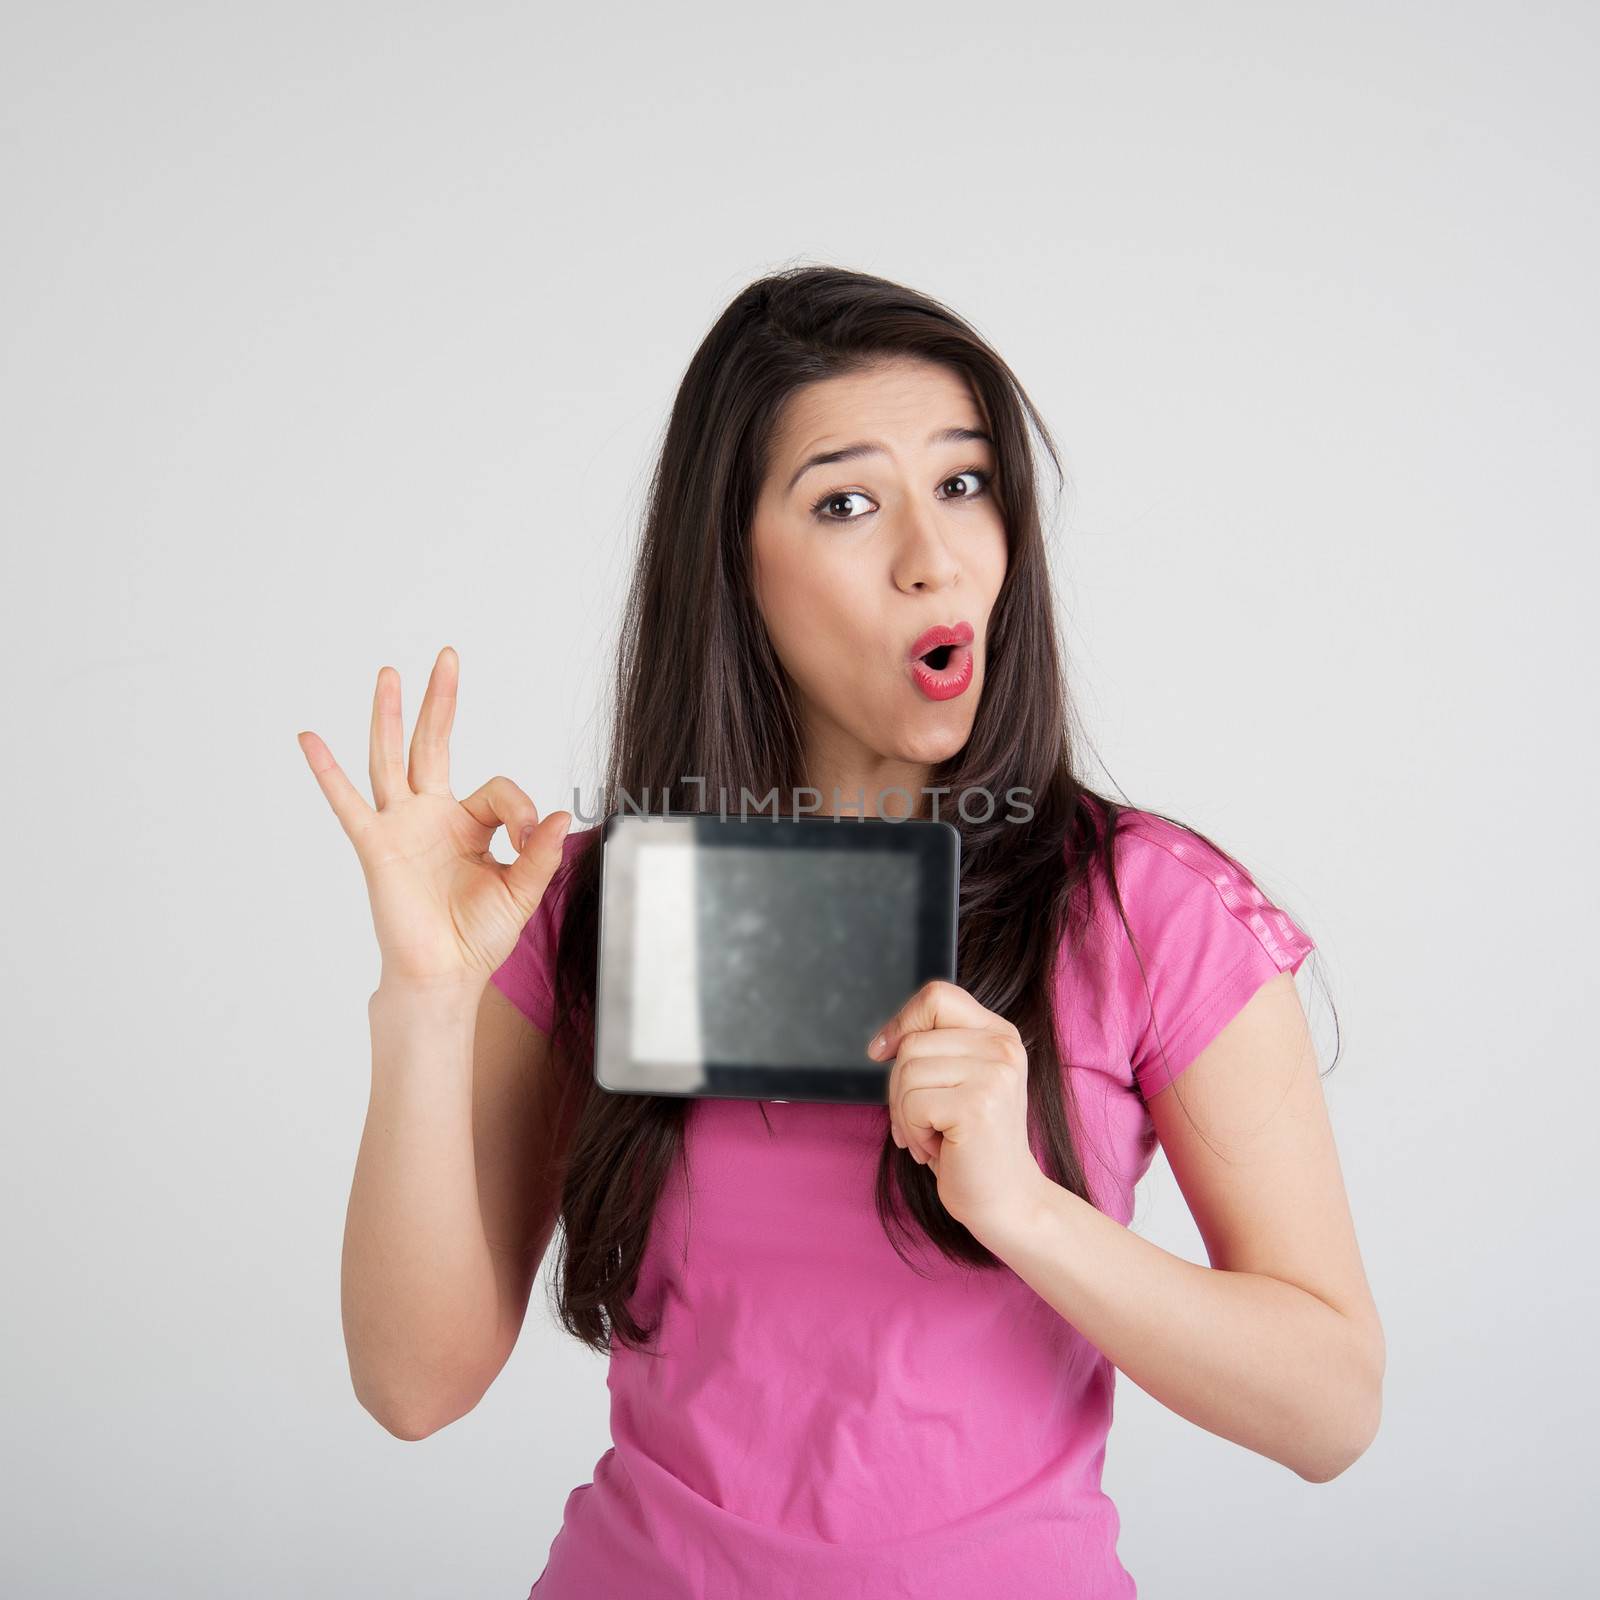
(940, 660)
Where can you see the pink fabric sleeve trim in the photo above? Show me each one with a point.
(1282, 939)
(1280, 946)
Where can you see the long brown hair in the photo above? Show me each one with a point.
(700, 694)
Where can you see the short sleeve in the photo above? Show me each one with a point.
(1209, 938)
(527, 976)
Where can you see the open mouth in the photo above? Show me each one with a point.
(942, 667)
(941, 636)
(944, 672)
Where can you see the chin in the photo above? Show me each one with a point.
(929, 746)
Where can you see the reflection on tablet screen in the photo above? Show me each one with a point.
(755, 959)
(768, 957)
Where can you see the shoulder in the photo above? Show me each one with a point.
(577, 841)
(1204, 937)
(1181, 894)
(526, 976)
(574, 846)
(1158, 861)
(1160, 858)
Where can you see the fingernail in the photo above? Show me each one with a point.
(875, 1046)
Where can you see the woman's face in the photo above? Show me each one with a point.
(856, 559)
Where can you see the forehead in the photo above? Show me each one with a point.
(899, 401)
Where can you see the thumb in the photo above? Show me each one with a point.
(541, 848)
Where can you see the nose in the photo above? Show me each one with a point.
(923, 560)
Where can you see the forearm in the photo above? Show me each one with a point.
(419, 1294)
(1254, 1359)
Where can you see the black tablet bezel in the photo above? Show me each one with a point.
(936, 844)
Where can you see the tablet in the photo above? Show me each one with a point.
(754, 958)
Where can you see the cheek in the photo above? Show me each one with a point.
(780, 582)
(996, 556)
(812, 599)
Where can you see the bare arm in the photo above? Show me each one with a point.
(1277, 1345)
(448, 1215)
(516, 1142)
(452, 1206)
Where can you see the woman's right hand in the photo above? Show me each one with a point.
(444, 909)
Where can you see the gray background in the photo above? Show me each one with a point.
(333, 334)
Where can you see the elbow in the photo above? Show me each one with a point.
(400, 1420)
(1354, 1427)
(411, 1419)
(1341, 1452)
(415, 1401)
(1327, 1467)
(411, 1424)
(402, 1427)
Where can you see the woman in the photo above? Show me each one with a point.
(854, 1350)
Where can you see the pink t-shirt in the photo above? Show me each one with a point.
(828, 1425)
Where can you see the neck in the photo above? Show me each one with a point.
(869, 785)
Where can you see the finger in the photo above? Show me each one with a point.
(948, 1057)
(385, 768)
(539, 845)
(937, 1004)
(429, 771)
(349, 807)
(500, 802)
(981, 1044)
(932, 1113)
(974, 1049)
(924, 1072)
(538, 861)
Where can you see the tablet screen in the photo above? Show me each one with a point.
(756, 958)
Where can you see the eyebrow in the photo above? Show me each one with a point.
(851, 451)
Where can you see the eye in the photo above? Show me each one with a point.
(830, 497)
(982, 474)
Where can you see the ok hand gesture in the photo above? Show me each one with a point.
(444, 909)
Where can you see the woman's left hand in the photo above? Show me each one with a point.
(958, 1100)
